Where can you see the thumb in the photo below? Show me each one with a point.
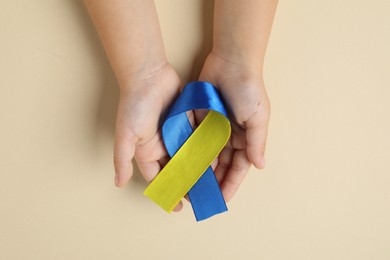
(256, 136)
(124, 150)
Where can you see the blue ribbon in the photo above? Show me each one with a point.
(205, 196)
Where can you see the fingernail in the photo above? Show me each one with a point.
(116, 179)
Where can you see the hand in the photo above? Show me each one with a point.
(144, 97)
(243, 90)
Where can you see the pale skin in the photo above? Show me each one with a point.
(131, 36)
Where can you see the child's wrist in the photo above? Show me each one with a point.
(246, 65)
(140, 70)
(244, 58)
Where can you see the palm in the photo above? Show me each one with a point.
(137, 132)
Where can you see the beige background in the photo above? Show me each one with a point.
(324, 194)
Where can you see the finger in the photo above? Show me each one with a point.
(236, 174)
(163, 161)
(200, 114)
(148, 170)
(124, 150)
(149, 156)
(224, 161)
(178, 207)
(191, 118)
(256, 137)
(214, 164)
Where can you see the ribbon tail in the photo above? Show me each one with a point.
(206, 197)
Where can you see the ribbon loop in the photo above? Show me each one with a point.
(192, 152)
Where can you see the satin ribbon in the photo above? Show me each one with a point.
(192, 152)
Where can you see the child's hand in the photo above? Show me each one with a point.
(142, 101)
(243, 90)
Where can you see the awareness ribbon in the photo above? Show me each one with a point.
(192, 153)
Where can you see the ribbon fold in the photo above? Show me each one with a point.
(192, 152)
